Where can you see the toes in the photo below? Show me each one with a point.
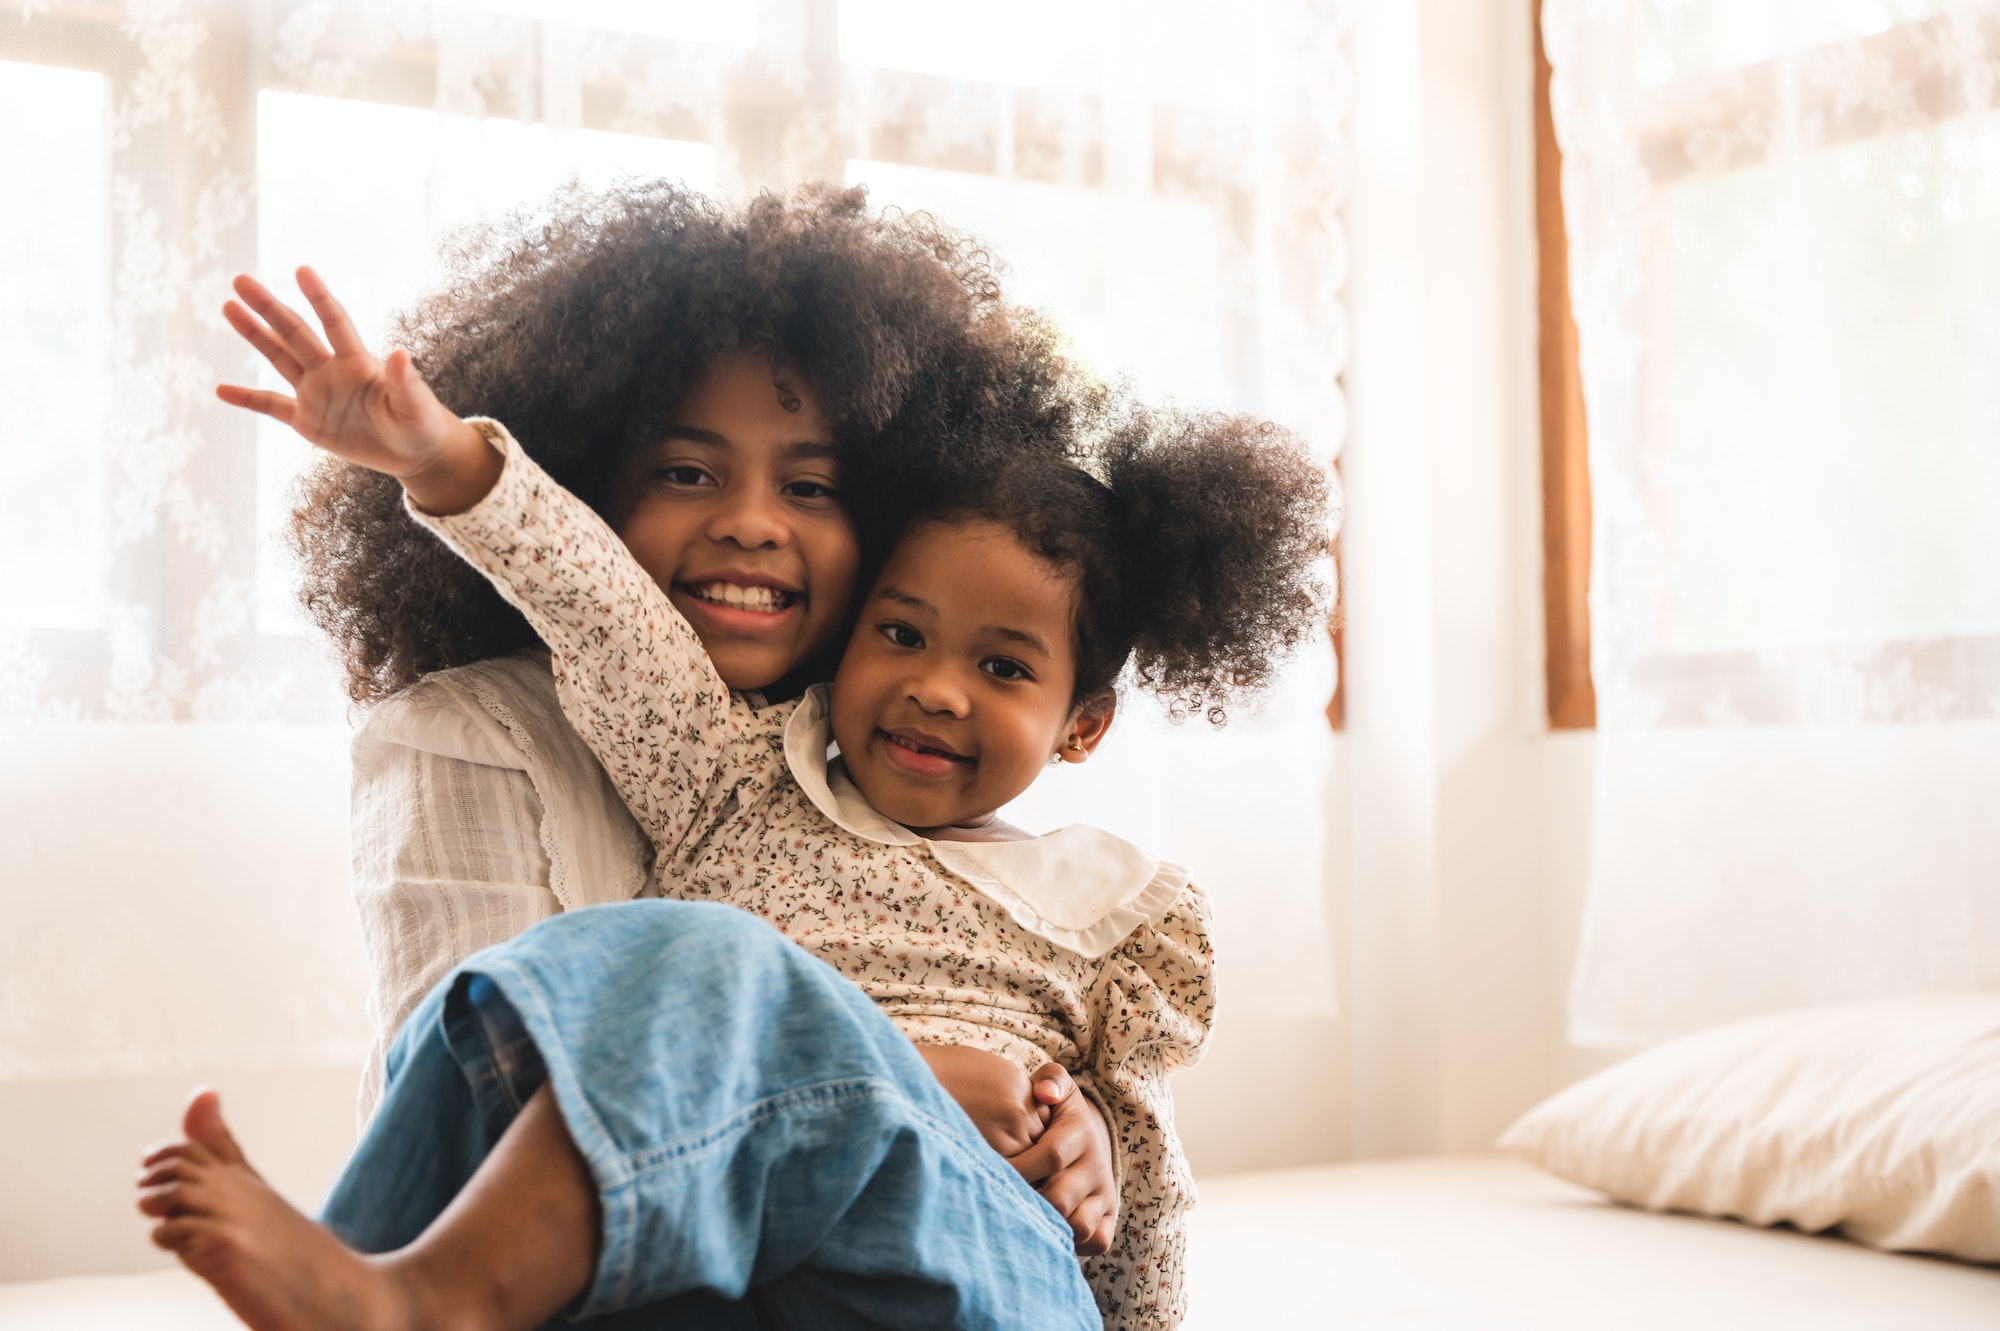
(204, 1126)
(167, 1200)
(170, 1171)
(202, 1244)
(181, 1234)
(177, 1150)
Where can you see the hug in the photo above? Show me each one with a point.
(715, 578)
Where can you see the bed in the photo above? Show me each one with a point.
(1480, 1242)
(1489, 1243)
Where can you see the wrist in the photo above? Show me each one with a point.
(463, 471)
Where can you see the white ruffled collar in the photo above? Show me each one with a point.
(1081, 887)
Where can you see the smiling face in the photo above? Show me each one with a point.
(956, 686)
(734, 512)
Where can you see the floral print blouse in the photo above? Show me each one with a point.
(956, 949)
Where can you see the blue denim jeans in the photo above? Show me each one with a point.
(768, 1150)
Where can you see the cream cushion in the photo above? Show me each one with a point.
(1879, 1119)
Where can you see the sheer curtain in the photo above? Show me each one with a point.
(1784, 220)
(1166, 179)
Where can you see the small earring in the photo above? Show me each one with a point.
(1075, 744)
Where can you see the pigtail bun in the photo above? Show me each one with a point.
(1222, 526)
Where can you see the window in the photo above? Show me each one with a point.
(1817, 434)
(335, 190)
(1168, 188)
(52, 349)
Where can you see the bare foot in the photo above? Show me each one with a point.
(275, 1268)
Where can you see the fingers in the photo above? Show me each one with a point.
(275, 405)
(1066, 1190)
(409, 396)
(1058, 1148)
(339, 329)
(1090, 1213)
(1099, 1240)
(1036, 1163)
(1013, 1134)
(1052, 1084)
(253, 331)
(295, 333)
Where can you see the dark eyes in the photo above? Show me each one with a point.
(688, 475)
(1000, 667)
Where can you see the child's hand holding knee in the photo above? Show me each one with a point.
(1070, 1163)
(994, 1093)
(375, 414)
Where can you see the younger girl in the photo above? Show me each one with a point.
(988, 647)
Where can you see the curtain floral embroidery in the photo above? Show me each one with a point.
(1165, 177)
(194, 151)
(1784, 218)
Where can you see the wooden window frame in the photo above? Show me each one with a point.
(1565, 480)
(1572, 698)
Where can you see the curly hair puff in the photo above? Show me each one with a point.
(583, 325)
(1201, 543)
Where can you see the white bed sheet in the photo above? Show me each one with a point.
(1479, 1244)
(1490, 1244)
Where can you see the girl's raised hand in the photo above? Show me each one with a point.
(375, 414)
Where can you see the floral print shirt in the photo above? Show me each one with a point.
(950, 961)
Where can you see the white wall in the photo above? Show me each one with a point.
(1469, 821)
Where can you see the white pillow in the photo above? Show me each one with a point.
(1880, 1119)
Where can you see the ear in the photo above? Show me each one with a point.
(1086, 729)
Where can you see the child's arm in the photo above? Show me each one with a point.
(632, 676)
(1155, 1003)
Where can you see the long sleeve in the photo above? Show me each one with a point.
(447, 860)
(1154, 1005)
(477, 813)
(632, 676)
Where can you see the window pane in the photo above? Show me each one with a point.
(1145, 298)
(999, 41)
(1826, 460)
(723, 22)
(1683, 38)
(363, 192)
(52, 346)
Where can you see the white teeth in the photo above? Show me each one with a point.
(742, 597)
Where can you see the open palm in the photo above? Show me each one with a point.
(377, 414)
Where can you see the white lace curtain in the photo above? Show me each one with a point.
(1784, 219)
(1166, 178)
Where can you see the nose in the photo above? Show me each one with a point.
(751, 518)
(937, 689)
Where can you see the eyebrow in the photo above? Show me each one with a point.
(694, 434)
(1022, 636)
